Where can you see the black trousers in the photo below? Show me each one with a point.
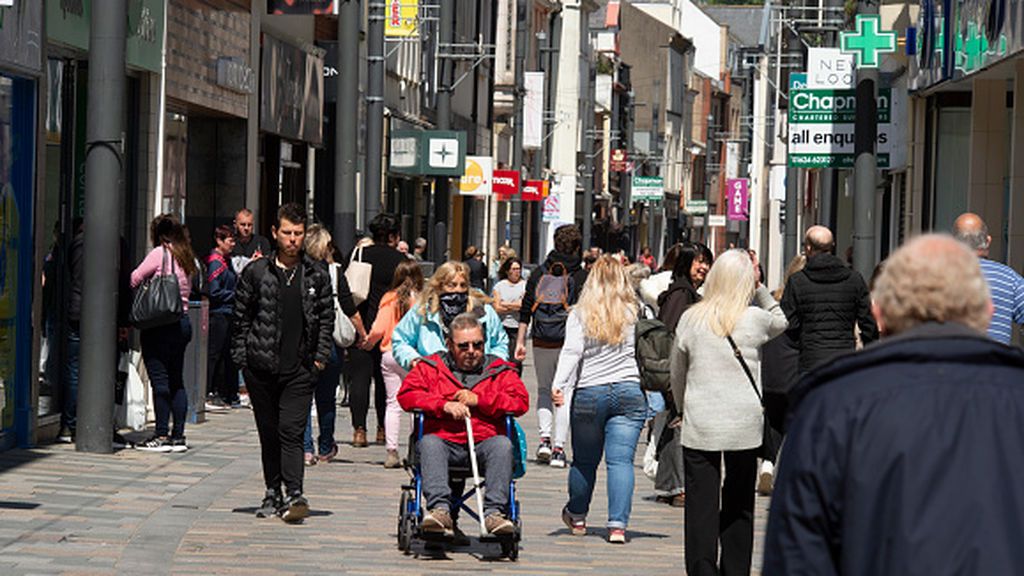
(719, 512)
(280, 403)
(221, 375)
(364, 366)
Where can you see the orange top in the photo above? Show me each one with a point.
(387, 318)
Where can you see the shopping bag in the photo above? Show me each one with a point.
(358, 275)
(135, 399)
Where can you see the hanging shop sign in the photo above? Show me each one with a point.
(402, 18)
(716, 220)
(737, 195)
(829, 68)
(535, 190)
(477, 177)
(505, 184)
(619, 160)
(21, 28)
(868, 42)
(821, 128)
(648, 188)
(533, 110)
(302, 6)
(696, 207)
(68, 23)
(292, 91)
(428, 152)
(552, 208)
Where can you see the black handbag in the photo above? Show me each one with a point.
(157, 301)
(771, 440)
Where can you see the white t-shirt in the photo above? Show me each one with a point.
(509, 292)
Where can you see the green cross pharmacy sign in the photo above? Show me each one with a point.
(868, 42)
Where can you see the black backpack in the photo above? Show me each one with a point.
(551, 303)
(654, 343)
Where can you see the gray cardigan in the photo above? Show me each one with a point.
(720, 409)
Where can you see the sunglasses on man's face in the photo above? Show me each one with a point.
(463, 346)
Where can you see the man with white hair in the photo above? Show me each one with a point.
(905, 458)
(1006, 286)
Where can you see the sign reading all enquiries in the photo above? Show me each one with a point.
(821, 126)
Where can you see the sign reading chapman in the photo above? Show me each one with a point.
(292, 89)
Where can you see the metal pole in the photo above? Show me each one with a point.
(791, 245)
(374, 111)
(346, 123)
(588, 150)
(865, 163)
(446, 34)
(522, 29)
(104, 149)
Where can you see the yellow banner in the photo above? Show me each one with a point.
(402, 18)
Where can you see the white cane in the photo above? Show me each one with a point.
(476, 477)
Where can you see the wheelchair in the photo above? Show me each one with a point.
(411, 507)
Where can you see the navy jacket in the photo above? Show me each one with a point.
(904, 459)
(221, 280)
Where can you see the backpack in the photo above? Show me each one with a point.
(551, 303)
(654, 343)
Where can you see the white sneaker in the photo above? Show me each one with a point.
(544, 451)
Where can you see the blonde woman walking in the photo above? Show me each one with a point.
(597, 367)
(721, 411)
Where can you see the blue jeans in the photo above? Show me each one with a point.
(326, 406)
(163, 351)
(605, 419)
(68, 416)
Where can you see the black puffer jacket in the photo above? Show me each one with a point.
(257, 323)
(822, 303)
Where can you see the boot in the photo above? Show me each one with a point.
(359, 438)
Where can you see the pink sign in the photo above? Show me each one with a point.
(737, 198)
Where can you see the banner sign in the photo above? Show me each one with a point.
(696, 207)
(533, 111)
(737, 194)
(535, 190)
(829, 68)
(821, 128)
(552, 208)
(402, 18)
(292, 91)
(648, 188)
(619, 161)
(477, 176)
(505, 183)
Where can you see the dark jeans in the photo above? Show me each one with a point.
(494, 456)
(222, 376)
(280, 404)
(513, 334)
(325, 395)
(163, 351)
(364, 366)
(68, 415)
(707, 523)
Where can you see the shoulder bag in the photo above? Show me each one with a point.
(771, 439)
(157, 301)
(358, 275)
(344, 331)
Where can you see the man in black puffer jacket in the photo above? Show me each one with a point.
(283, 321)
(824, 301)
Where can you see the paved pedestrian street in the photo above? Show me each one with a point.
(65, 512)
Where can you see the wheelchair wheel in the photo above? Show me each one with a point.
(510, 549)
(405, 523)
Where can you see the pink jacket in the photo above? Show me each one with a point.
(150, 266)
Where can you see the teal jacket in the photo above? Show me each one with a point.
(418, 337)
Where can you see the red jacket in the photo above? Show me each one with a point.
(431, 384)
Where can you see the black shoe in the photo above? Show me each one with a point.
(272, 502)
(155, 444)
(179, 445)
(295, 509)
(120, 443)
(65, 436)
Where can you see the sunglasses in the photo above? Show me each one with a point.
(478, 345)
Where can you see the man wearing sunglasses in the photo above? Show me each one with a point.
(448, 387)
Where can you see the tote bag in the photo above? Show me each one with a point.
(358, 275)
(344, 332)
(157, 301)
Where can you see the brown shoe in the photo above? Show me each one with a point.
(677, 501)
(359, 438)
(436, 521)
(393, 461)
(497, 524)
(380, 436)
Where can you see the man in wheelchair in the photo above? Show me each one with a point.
(447, 387)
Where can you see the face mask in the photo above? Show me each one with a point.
(452, 304)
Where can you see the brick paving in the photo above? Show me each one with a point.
(138, 513)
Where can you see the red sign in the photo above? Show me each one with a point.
(535, 190)
(619, 160)
(505, 183)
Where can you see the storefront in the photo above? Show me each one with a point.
(20, 70)
(61, 199)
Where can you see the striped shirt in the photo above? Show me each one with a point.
(1007, 289)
